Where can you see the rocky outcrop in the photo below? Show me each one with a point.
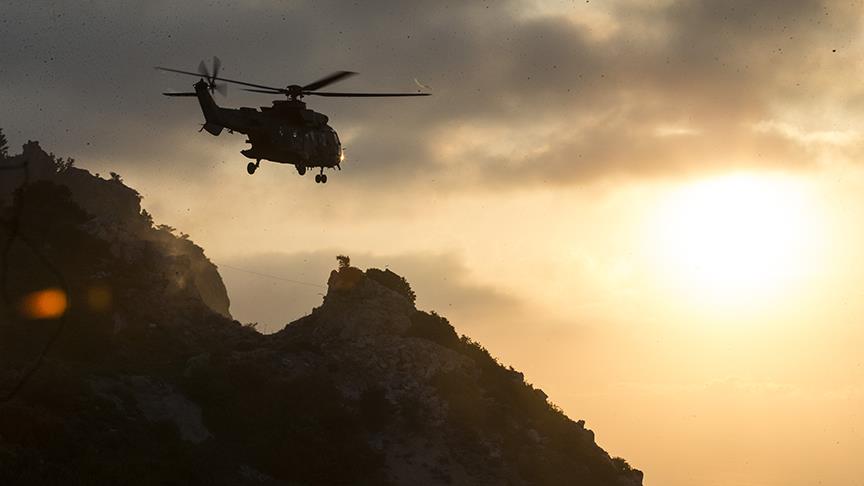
(116, 217)
(159, 386)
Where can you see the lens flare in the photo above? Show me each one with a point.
(44, 304)
(99, 298)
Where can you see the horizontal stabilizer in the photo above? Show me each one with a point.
(180, 94)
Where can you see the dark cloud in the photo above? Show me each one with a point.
(574, 105)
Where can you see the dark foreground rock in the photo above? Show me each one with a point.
(149, 380)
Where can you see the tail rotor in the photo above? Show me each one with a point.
(212, 85)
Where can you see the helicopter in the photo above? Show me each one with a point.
(286, 132)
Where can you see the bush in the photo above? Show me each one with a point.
(344, 261)
(621, 464)
(434, 328)
(393, 282)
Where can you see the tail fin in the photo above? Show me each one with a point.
(209, 108)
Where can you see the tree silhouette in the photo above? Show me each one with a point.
(344, 261)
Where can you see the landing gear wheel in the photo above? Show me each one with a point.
(323, 178)
(301, 169)
(318, 178)
(250, 167)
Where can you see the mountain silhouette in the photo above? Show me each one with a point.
(120, 364)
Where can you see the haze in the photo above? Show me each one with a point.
(651, 208)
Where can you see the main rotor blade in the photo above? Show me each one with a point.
(337, 76)
(364, 95)
(262, 91)
(180, 94)
(219, 79)
(179, 71)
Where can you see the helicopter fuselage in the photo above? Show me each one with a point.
(286, 133)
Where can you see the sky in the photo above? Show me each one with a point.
(651, 208)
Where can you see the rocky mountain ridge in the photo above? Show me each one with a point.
(151, 381)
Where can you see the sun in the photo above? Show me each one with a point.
(740, 238)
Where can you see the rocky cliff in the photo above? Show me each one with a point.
(147, 380)
(115, 217)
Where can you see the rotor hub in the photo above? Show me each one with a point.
(294, 91)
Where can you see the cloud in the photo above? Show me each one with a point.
(807, 138)
(576, 99)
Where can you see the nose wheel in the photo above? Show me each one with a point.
(251, 167)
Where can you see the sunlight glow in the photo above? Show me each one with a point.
(737, 239)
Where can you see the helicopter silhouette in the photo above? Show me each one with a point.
(286, 132)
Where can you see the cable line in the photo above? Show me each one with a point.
(274, 277)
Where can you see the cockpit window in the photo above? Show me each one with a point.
(331, 137)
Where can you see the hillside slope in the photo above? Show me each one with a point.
(151, 382)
